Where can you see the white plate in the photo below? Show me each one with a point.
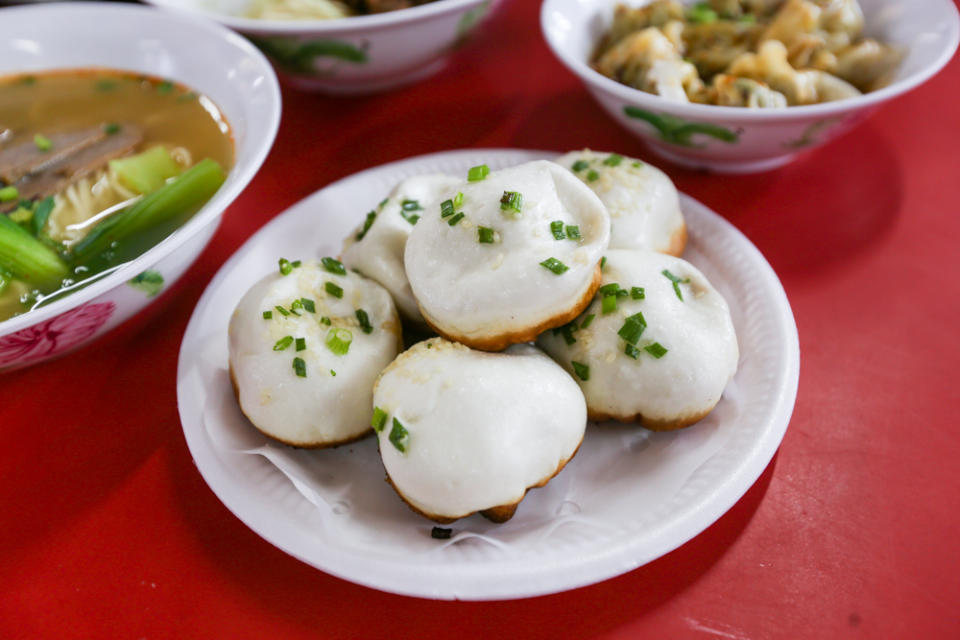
(628, 497)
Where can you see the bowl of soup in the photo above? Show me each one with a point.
(125, 132)
(348, 46)
(741, 86)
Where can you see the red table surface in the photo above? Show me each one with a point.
(108, 530)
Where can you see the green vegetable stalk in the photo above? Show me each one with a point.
(26, 258)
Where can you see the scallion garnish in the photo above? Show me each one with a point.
(296, 263)
(458, 199)
(301, 344)
(631, 351)
(379, 419)
(613, 160)
(592, 175)
(367, 223)
(637, 293)
(554, 265)
(588, 321)
(446, 208)
(338, 340)
(636, 164)
(411, 205)
(556, 228)
(364, 321)
(656, 349)
(325, 320)
(111, 128)
(283, 343)
(334, 266)
(308, 305)
(296, 304)
(42, 142)
(485, 235)
(603, 262)
(282, 311)
(399, 436)
(676, 282)
(567, 332)
(267, 315)
(165, 87)
(333, 289)
(455, 219)
(573, 232)
(383, 202)
(701, 13)
(333, 373)
(9, 194)
(608, 304)
(300, 367)
(285, 266)
(478, 173)
(609, 289)
(580, 165)
(511, 202)
(582, 370)
(633, 328)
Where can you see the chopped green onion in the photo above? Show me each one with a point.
(622, 293)
(334, 266)
(42, 142)
(556, 228)
(364, 321)
(8, 194)
(636, 164)
(567, 332)
(478, 173)
(300, 367)
(301, 344)
(637, 293)
(285, 266)
(701, 13)
(333, 373)
(613, 160)
(580, 165)
(609, 289)
(656, 350)
(631, 351)
(485, 235)
(165, 87)
(367, 223)
(399, 436)
(296, 263)
(608, 304)
(446, 208)
(296, 304)
(325, 320)
(582, 370)
(603, 262)
(588, 321)
(592, 175)
(747, 18)
(283, 343)
(573, 232)
(111, 128)
(458, 199)
(267, 315)
(282, 311)
(41, 214)
(383, 202)
(633, 328)
(379, 419)
(333, 289)
(676, 282)
(411, 205)
(338, 340)
(512, 202)
(308, 305)
(106, 85)
(554, 265)
(455, 219)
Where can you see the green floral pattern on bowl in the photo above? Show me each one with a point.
(299, 56)
(680, 132)
(149, 281)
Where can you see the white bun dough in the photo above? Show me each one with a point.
(663, 393)
(482, 427)
(378, 252)
(321, 409)
(489, 295)
(642, 201)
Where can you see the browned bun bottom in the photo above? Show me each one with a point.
(648, 423)
(299, 445)
(500, 341)
(498, 514)
(678, 242)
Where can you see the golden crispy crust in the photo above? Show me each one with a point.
(500, 341)
(500, 513)
(648, 423)
(678, 242)
(299, 445)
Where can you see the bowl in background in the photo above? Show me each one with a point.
(357, 54)
(200, 54)
(738, 139)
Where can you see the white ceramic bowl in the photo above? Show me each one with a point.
(199, 54)
(355, 55)
(736, 139)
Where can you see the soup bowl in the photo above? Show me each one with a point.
(201, 55)
(353, 55)
(738, 139)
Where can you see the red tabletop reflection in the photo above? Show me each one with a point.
(109, 531)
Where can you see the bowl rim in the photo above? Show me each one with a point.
(595, 80)
(211, 212)
(327, 26)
